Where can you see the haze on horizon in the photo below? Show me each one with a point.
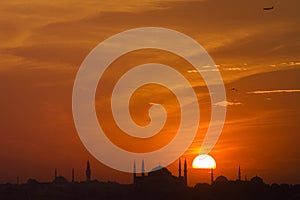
(257, 52)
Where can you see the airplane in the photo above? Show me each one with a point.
(268, 8)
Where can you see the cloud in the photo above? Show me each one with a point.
(285, 64)
(274, 91)
(234, 69)
(192, 71)
(202, 70)
(228, 103)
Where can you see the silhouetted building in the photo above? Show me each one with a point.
(134, 172)
(179, 168)
(55, 173)
(32, 181)
(73, 176)
(159, 176)
(88, 172)
(239, 174)
(60, 180)
(185, 173)
(212, 176)
(220, 179)
(257, 180)
(143, 168)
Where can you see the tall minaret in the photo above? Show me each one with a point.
(55, 173)
(88, 171)
(134, 173)
(179, 168)
(239, 174)
(185, 173)
(73, 176)
(143, 168)
(212, 176)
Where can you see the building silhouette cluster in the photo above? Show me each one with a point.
(160, 174)
(159, 183)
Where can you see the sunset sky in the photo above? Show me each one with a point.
(257, 53)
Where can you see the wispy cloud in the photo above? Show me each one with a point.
(228, 103)
(286, 64)
(234, 69)
(274, 91)
(201, 70)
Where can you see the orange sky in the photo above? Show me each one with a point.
(42, 47)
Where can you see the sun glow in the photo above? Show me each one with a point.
(204, 161)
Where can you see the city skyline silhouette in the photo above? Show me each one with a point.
(156, 184)
(136, 176)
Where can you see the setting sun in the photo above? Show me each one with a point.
(204, 161)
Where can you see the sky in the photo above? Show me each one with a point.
(257, 53)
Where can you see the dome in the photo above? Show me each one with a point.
(257, 179)
(32, 181)
(156, 168)
(60, 180)
(159, 171)
(221, 179)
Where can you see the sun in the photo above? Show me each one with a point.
(204, 161)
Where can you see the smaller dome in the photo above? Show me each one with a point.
(257, 179)
(221, 179)
(60, 180)
(32, 181)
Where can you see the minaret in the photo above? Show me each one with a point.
(73, 176)
(185, 173)
(179, 168)
(143, 168)
(88, 171)
(55, 173)
(134, 173)
(212, 176)
(239, 174)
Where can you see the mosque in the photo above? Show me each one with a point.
(62, 180)
(160, 175)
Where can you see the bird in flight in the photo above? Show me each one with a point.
(268, 8)
(233, 89)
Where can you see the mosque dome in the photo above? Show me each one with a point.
(221, 179)
(60, 180)
(257, 179)
(159, 170)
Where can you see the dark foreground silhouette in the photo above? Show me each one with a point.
(99, 190)
(158, 184)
